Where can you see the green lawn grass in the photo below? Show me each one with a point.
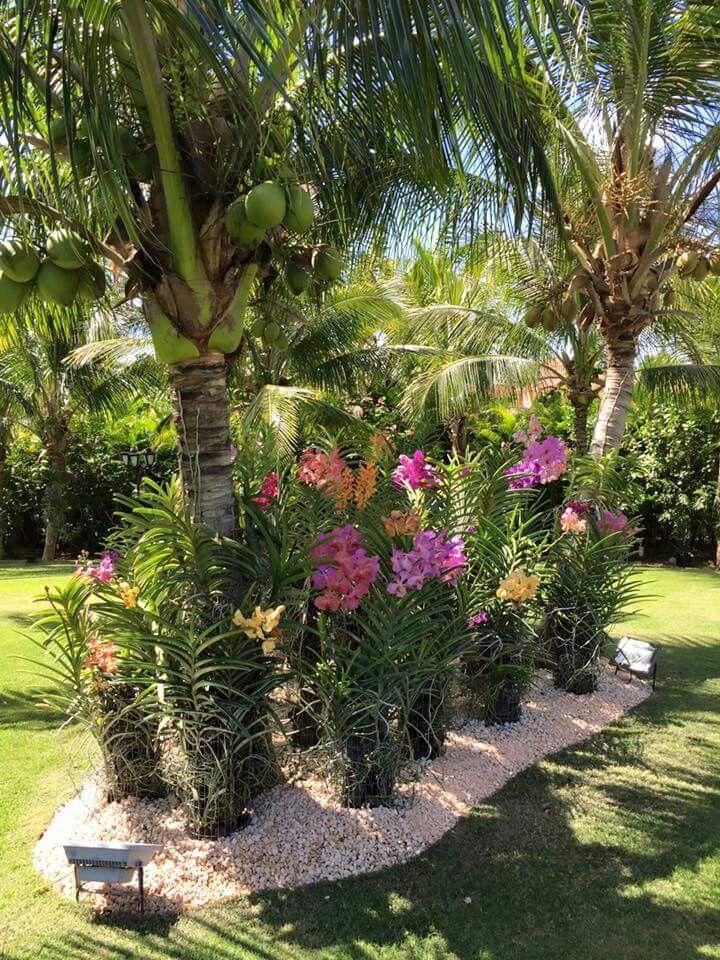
(607, 851)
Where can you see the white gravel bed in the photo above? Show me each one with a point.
(300, 835)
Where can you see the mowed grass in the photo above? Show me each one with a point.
(607, 851)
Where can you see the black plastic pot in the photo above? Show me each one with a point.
(506, 707)
(367, 782)
(427, 726)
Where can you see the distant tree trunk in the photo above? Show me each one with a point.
(458, 436)
(201, 418)
(617, 395)
(717, 517)
(3, 482)
(580, 423)
(56, 446)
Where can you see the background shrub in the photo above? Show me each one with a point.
(674, 464)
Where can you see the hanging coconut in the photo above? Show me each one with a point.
(12, 293)
(715, 264)
(550, 318)
(67, 249)
(58, 132)
(702, 269)
(244, 233)
(18, 260)
(83, 155)
(327, 263)
(567, 308)
(258, 327)
(687, 262)
(265, 205)
(281, 343)
(300, 212)
(91, 285)
(298, 277)
(669, 298)
(271, 332)
(57, 285)
(533, 315)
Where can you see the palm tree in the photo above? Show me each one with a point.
(46, 394)
(332, 350)
(460, 328)
(141, 122)
(629, 88)
(6, 420)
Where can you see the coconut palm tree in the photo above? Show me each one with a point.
(461, 329)
(6, 420)
(137, 124)
(330, 351)
(45, 394)
(629, 88)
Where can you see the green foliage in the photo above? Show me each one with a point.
(96, 476)
(182, 678)
(108, 701)
(592, 587)
(675, 451)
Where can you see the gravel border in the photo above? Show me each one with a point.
(300, 835)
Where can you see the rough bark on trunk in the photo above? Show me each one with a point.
(717, 518)
(54, 507)
(3, 481)
(200, 415)
(617, 395)
(580, 419)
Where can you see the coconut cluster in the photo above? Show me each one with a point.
(551, 315)
(61, 274)
(72, 138)
(283, 212)
(694, 265)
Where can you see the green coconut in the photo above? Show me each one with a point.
(715, 264)
(550, 318)
(669, 298)
(84, 161)
(56, 285)
(702, 269)
(300, 212)
(533, 315)
(327, 263)
(18, 260)
(58, 132)
(67, 249)
(282, 342)
(141, 166)
(258, 327)
(298, 277)
(240, 229)
(265, 205)
(91, 285)
(567, 308)
(271, 332)
(12, 293)
(687, 262)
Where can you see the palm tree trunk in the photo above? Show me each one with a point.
(200, 415)
(580, 422)
(617, 395)
(54, 506)
(717, 517)
(3, 482)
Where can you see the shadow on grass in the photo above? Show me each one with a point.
(565, 861)
(27, 709)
